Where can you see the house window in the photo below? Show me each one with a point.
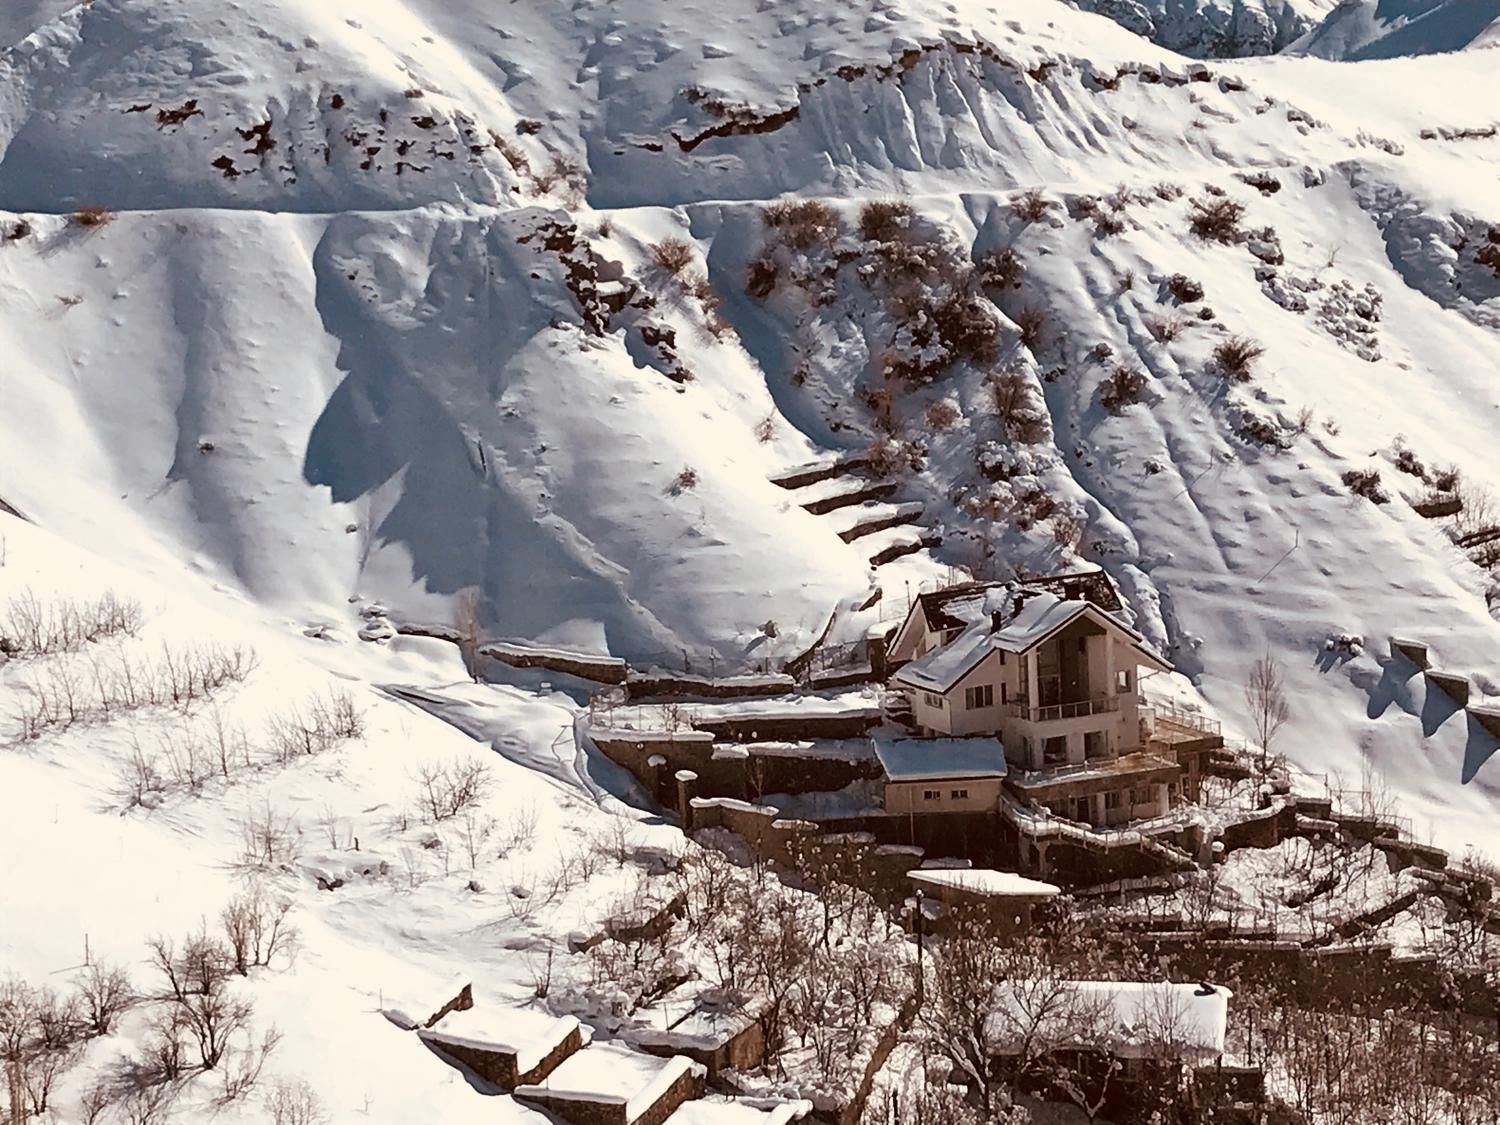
(978, 697)
(959, 794)
(932, 795)
(1111, 800)
(933, 700)
(1003, 693)
(1122, 680)
(1141, 795)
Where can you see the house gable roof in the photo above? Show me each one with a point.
(1039, 616)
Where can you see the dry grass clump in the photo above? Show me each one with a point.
(1165, 329)
(1216, 219)
(941, 415)
(1033, 206)
(1236, 357)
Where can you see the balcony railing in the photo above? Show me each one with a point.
(1099, 705)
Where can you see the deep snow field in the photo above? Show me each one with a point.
(375, 318)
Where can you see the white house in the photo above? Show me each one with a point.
(1056, 679)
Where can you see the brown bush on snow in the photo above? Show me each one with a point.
(1033, 206)
(802, 223)
(1216, 220)
(1021, 414)
(1000, 268)
(1184, 289)
(1032, 322)
(90, 215)
(885, 220)
(672, 255)
(761, 277)
(1236, 357)
(1165, 329)
(941, 414)
(1123, 388)
(1366, 483)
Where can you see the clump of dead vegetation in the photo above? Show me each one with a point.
(1216, 219)
(1236, 358)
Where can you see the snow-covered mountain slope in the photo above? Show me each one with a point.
(1216, 29)
(1387, 29)
(388, 307)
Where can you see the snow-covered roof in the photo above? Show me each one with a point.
(984, 881)
(1127, 1018)
(529, 1035)
(613, 1074)
(1021, 628)
(914, 759)
(719, 1110)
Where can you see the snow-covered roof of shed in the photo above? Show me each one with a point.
(916, 759)
(985, 881)
(527, 1034)
(1129, 1018)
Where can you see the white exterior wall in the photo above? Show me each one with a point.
(1106, 654)
(902, 797)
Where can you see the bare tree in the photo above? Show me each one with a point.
(256, 928)
(106, 993)
(467, 605)
(446, 789)
(1265, 699)
(293, 1101)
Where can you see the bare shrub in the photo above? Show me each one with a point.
(884, 457)
(672, 255)
(1123, 388)
(105, 994)
(139, 781)
(329, 720)
(685, 481)
(1017, 406)
(90, 215)
(1033, 206)
(761, 277)
(1216, 219)
(446, 789)
(294, 1101)
(1477, 510)
(268, 840)
(1000, 268)
(35, 628)
(1165, 329)
(765, 429)
(1366, 483)
(941, 414)
(200, 1006)
(884, 220)
(256, 928)
(1166, 191)
(1236, 357)
(967, 328)
(804, 223)
(1107, 224)
(1184, 289)
(1032, 323)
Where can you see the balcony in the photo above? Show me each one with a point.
(1099, 705)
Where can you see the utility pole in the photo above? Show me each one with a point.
(921, 981)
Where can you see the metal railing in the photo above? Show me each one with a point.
(1180, 717)
(1099, 705)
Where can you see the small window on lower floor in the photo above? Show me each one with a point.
(932, 794)
(1111, 800)
(959, 794)
(1122, 681)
